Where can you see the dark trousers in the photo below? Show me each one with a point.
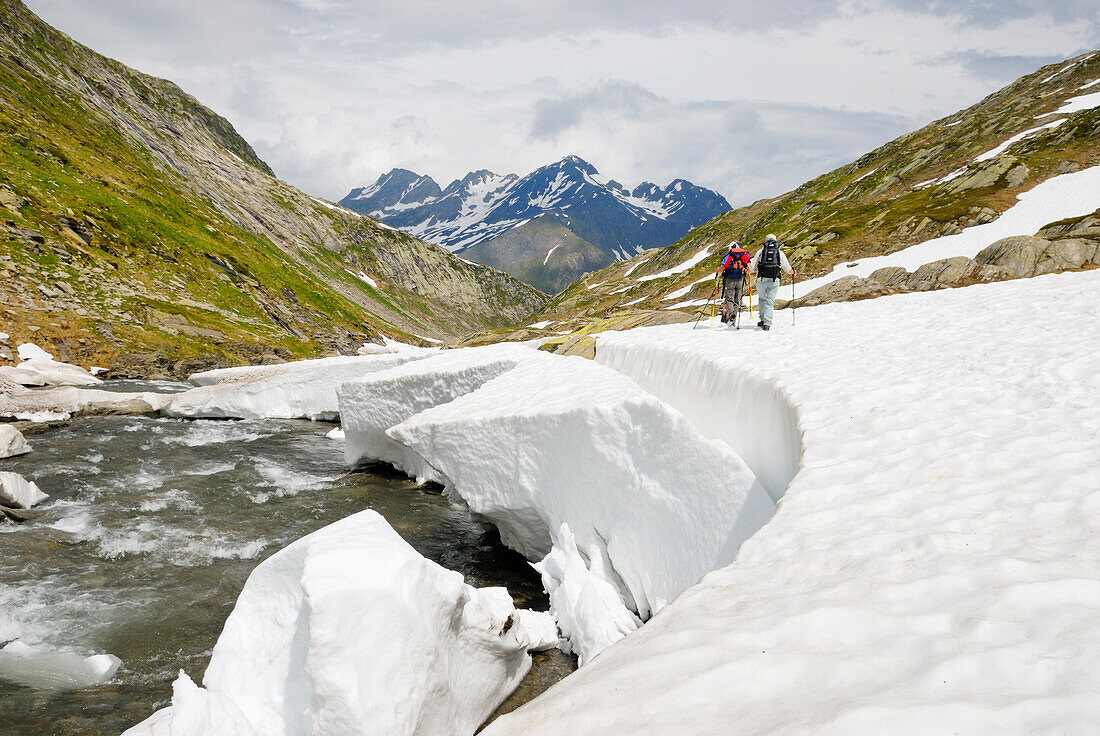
(732, 291)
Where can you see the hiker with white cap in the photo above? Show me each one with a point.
(769, 264)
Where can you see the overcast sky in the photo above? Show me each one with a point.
(749, 98)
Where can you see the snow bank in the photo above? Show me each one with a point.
(1057, 198)
(304, 389)
(933, 566)
(60, 402)
(371, 405)
(349, 630)
(38, 368)
(651, 503)
(17, 491)
(725, 397)
(50, 669)
(12, 442)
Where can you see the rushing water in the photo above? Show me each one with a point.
(151, 529)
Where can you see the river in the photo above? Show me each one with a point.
(151, 529)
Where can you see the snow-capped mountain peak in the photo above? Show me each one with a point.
(483, 205)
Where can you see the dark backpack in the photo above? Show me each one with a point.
(733, 265)
(769, 266)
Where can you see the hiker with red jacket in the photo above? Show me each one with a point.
(734, 270)
(770, 263)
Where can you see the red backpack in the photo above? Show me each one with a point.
(735, 263)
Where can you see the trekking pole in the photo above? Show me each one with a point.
(794, 277)
(704, 309)
(714, 301)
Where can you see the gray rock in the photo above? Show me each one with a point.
(1071, 253)
(125, 407)
(845, 289)
(1016, 257)
(891, 276)
(1017, 175)
(941, 274)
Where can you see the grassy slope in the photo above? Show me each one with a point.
(542, 252)
(135, 218)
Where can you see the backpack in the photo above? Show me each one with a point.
(733, 265)
(769, 265)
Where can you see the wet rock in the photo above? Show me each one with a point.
(12, 442)
(152, 365)
(187, 366)
(125, 407)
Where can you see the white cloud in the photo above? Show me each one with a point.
(748, 98)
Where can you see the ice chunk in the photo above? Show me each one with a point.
(350, 630)
(336, 433)
(45, 372)
(158, 724)
(585, 606)
(652, 503)
(371, 405)
(15, 490)
(12, 442)
(51, 669)
(304, 389)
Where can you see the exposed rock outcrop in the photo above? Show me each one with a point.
(1010, 258)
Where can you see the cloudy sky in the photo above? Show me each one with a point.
(749, 98)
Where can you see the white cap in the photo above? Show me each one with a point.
(735, 244)
(770, 238)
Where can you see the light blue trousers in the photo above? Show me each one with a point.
(767, 289)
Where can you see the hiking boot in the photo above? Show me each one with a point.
(765, 327)
(725, 319)
(760, 323)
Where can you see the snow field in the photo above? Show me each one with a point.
(1057, 198)
(300, 390)
(372, 404)
(933, 566)
(576, 464)
(350, 630)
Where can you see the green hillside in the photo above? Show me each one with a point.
(139, 226)
(542, 252)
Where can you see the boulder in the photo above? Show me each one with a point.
(12, 442)
(941, 274)
(17, 491)
(1016, 257)
(891, 276)
(845, 289)
(1071, 253)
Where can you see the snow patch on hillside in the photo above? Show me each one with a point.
(681, 267)
(1057, 198)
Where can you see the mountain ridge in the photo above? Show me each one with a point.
(483, 205)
